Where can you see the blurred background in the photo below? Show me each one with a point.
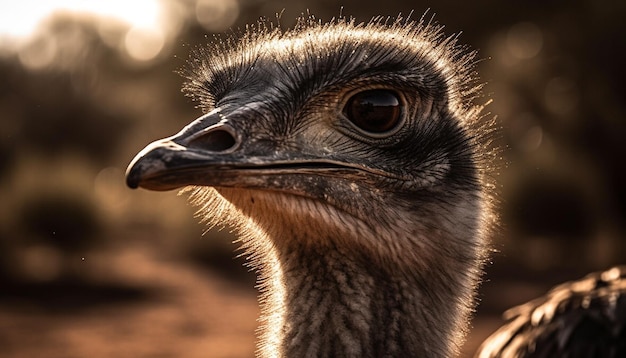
(91, 268)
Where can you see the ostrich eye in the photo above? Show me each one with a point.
(375, 111)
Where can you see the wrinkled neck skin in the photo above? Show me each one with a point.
(326, 294)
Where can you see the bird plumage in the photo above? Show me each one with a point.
(579, 319)
(368, 233)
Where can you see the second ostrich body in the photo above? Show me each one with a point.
(350, 158)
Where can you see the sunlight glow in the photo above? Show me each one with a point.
(34, 31)
(144, 43)
(21, 18)
(140, 27)
(217, 15)
(524, 40)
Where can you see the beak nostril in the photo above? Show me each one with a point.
(218, 139)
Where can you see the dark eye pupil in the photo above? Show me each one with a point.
(374, 110)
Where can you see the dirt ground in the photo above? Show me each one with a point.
(142, 306)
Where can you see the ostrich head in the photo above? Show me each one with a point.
(350, 158)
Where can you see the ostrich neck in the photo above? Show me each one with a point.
(338, 302)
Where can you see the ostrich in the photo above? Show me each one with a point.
(583, 318)
(352, 160)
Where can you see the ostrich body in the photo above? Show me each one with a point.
(583, 318)
(350, 158)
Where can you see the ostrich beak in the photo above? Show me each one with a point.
(210, 152)
(187, 158)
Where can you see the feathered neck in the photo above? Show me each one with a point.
(328, 293)
(343, 304)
